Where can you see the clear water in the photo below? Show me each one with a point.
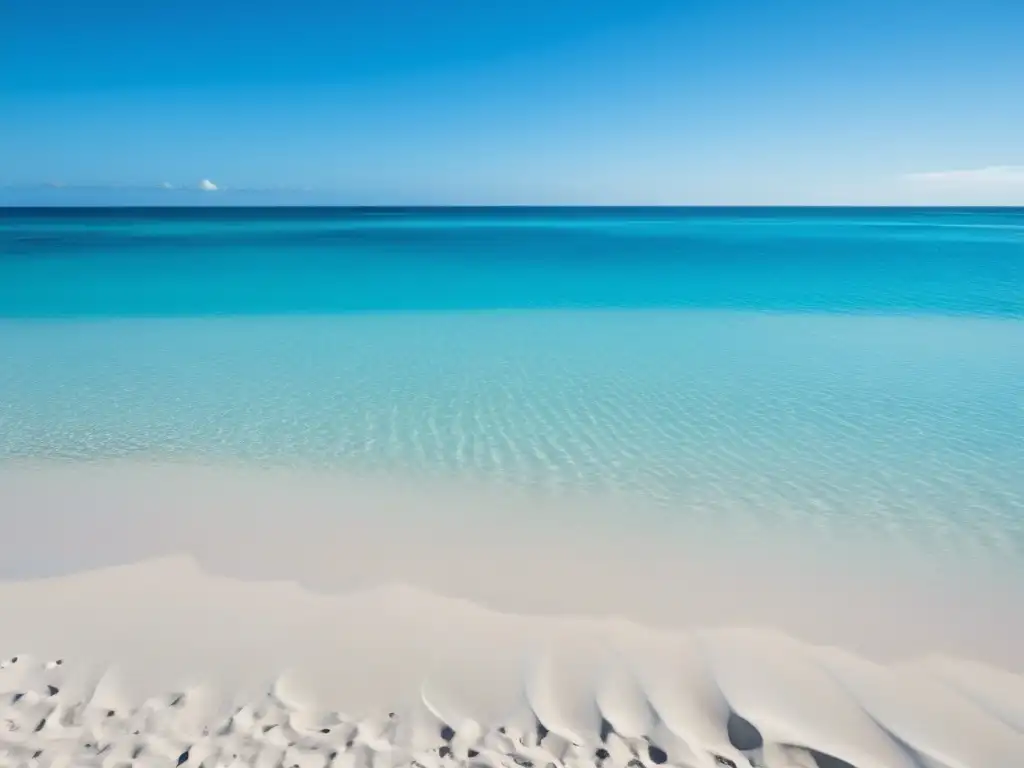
(820, 369)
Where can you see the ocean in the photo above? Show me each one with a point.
(846, 371)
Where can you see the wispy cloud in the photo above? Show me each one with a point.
(206, 185)
(991, 177)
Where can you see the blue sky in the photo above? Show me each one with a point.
(533, 101)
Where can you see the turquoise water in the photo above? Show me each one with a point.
(213, 261)
(826, 369)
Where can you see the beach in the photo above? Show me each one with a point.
(784, 530)
(308, 601)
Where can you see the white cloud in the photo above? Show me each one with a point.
(166, 185)
(207, 186)
(993, 177)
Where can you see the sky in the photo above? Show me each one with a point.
(485, 102)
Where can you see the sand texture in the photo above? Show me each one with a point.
(169, 665)
(177, 615)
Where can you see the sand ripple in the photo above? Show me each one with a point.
(170, 670)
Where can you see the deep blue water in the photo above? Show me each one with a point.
(111, 262)
(819, 368)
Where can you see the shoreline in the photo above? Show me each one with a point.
(524, 553)
(267, 617)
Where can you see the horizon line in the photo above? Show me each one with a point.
(512, 206)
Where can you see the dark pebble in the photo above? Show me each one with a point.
(657, 754)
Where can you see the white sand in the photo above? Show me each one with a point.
(190, 626)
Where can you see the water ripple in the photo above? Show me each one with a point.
(907, 426)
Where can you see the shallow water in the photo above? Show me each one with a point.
(836, 371)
